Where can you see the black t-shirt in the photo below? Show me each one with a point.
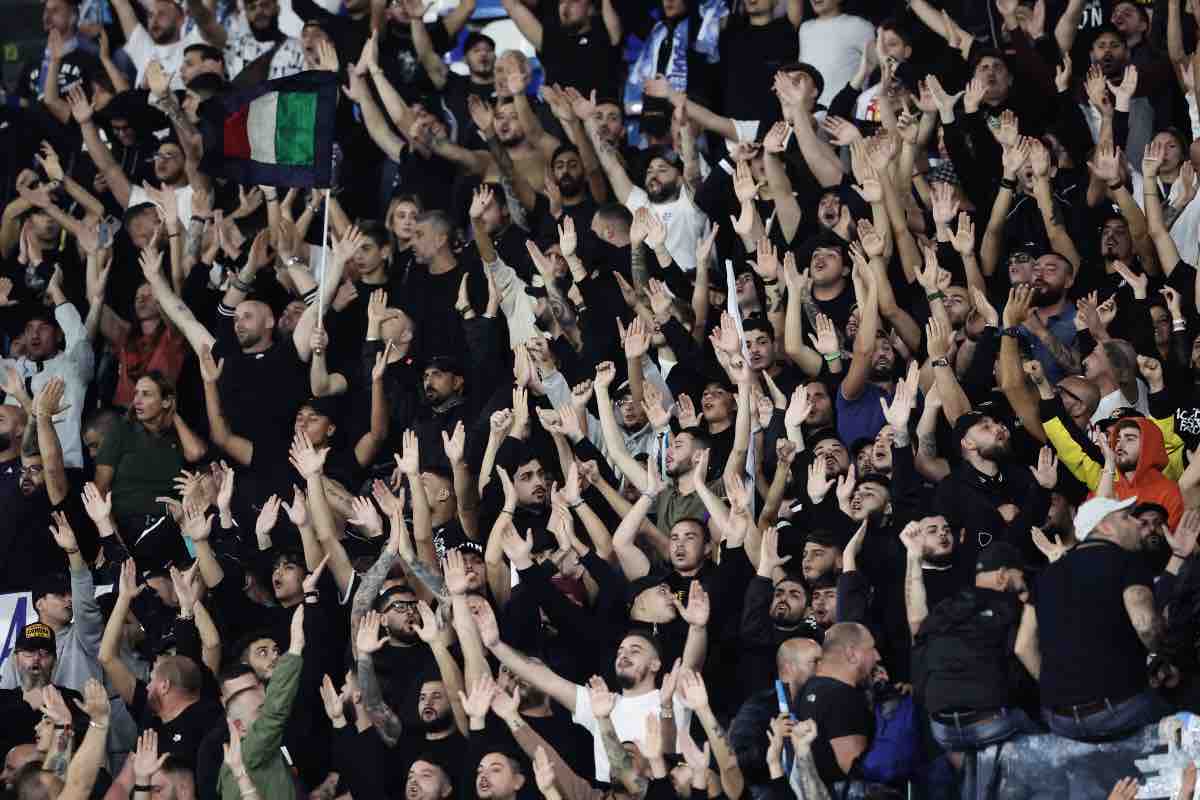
(839, 709)
(838, 310)
(750, 56)
(1082, 623)
(454, 95)
(20, 718)
(586, 61)
(181, 737)
(75, 66)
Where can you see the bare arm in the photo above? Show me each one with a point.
(915, 602)
(434, 66)
(612, 166)
(126, 16)
(1067, 27)
(206, 21)
(538, 675)
(1139, 604)
(1026, 646)
(526, 21)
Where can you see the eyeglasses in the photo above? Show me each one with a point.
(33, 469)
(403, 606)
(1059, 390)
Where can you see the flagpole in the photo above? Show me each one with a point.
(324, 250)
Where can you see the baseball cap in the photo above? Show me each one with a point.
(474, 38)
(999, 555)
(816, 437)
(36, 636)
(1088, 515)
(965, 422)
(54, 583)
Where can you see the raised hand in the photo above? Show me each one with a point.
(64, 535)
(602, 699)
(368, 638)
(698, 607)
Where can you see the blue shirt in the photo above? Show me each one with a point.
(1061, 327)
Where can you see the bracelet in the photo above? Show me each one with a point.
(666, 713)
(506, 511)
(197, 217)
(1179, 325)
(293, 261)
(94, 724)
(241, 285)
(832, 357)
(71, 552)
(1011, 330)
(313, 593)
(143, 787)
(940, 362)
(575, 505)
(1008, 183)
(172, 235)
(1112, 187)
(58, 727)
(935, 296)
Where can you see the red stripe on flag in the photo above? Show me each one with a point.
(236, 139)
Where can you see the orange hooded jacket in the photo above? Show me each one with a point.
(1148, 483)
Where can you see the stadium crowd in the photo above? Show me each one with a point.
(703, 398)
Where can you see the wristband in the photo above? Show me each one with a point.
(58, 727)
(1011, 330)
(143, 787)
(76, 550)
(198, 218)
(1179, 325)
(935, 296)
(831, 357)
(240, 284)
(506, 511)
(313, 593)
(94, 724)
(1008, 183)
(575, 505)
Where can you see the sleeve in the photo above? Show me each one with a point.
(1078, 455)
(266, 734)
(87, 620)
(1162, 412)
(853, 598)
(756, 628)
(515, 304)
(112, 446)
(637, 199)
(139, 47)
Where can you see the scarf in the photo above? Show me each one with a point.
(666, 49)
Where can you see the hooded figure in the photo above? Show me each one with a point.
(1141, 457)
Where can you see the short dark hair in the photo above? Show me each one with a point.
(900, 27)
(757, 322)
(702, 437)
(376, 231)
(237, 669)
(643, 632)
(206, 51)
(242, 645)
(615, 212)
(562, 149)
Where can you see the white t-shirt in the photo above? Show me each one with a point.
(685, 222)
(834, 46)
(628, 719)
(141, 50)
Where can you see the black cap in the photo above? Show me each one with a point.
(474, 38)
(387, 594)
(465, 546)
(325, 406)
(54, 583)
(825, 538)
(999, 555)
(36, 636)
(1147, 506)
(156, 571)
(1124, 412)
(446, 364)
(965, 422)
(1034, 249)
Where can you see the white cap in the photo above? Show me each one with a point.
(1088, 516)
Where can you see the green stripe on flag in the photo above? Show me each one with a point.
(295, 128)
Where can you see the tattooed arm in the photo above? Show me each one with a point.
(695, 696)
(620, 762)
(431, 577)
(59, 754)
(637, 267)
(385, 720)
(368, 587)
(805, 780)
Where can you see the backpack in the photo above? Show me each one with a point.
(894, 754)
(962, 656)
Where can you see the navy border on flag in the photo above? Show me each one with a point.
(278, 133)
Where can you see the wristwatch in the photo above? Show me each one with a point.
(940, 362)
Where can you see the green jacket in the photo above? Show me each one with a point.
(260, 746)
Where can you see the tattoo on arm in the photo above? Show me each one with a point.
(368, 587)
(1066, 357)
(431, 578)
(621, 763)
(927, 444)
(637, 267)
(805, 780)
(380, 714)
(60, 753)
(1170, 214)
(174, 112)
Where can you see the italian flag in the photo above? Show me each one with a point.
(279, 133)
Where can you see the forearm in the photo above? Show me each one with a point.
(620, 762)
(826, 167)
(386, 722)
(915, 602)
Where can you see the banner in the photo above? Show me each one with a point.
(16, 611)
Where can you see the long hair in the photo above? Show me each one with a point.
(166, 388)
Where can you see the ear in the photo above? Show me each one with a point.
(458, 383)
